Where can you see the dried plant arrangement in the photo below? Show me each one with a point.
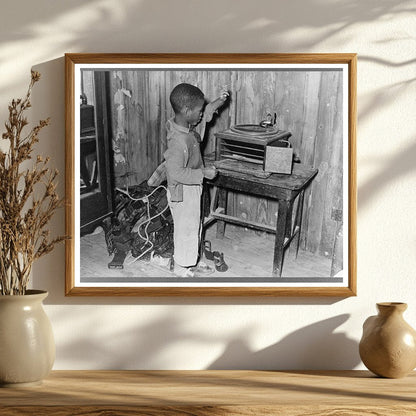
(28, 199)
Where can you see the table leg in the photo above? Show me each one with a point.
(288, 228)
(298, 220)
(222, 203)
(282, 220)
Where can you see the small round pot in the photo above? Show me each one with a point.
(388, 345)
(27, 346)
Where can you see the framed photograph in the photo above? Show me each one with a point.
(211, 174)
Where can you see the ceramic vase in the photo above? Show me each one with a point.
(27, 346)
(388, 345)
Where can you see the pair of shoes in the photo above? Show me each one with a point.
(216, 256)
(202, 269)
(220, 264)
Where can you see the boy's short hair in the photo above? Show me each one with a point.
(185, 95)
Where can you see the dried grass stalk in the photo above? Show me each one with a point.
(24, 210)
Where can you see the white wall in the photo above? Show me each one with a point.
(199, 333)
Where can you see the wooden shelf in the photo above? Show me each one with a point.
(208, 393)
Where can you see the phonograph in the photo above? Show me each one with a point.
(262, 149)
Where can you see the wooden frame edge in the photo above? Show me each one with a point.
(352, 182)
(239, 58)
(69, 175)
(212, 292)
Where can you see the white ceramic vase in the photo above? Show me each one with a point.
(27, 346)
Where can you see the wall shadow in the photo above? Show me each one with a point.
(80, 26)
(392, 169)
(139, 347)
(139, 18)
(314, 347)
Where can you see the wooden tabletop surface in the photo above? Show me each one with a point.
(301, 175)
(212, 392)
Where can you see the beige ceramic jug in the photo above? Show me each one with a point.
(388, 345)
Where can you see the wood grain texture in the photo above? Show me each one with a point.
(352, 179)
(203, 393)
(257, 410)
(321, 194)
(69, 173)
(174, 58)
(177, 291)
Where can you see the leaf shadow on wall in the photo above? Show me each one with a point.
(316, 346)
(396, 166)
(216, 26)
(132, 19)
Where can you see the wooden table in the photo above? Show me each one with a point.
(211, 393)
(281, 187)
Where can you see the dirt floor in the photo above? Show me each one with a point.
(248, 255)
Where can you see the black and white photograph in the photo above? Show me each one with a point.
(211, 175)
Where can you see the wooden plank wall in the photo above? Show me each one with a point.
(307, 103)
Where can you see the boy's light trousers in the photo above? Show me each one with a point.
(186, 225)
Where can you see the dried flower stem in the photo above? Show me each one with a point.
(23, 218)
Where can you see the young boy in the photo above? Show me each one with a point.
(185, 172)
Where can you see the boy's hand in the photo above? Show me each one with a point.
(209, 173)
(224, 93)
(213, 106)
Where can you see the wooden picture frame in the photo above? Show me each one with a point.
(314, 98)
